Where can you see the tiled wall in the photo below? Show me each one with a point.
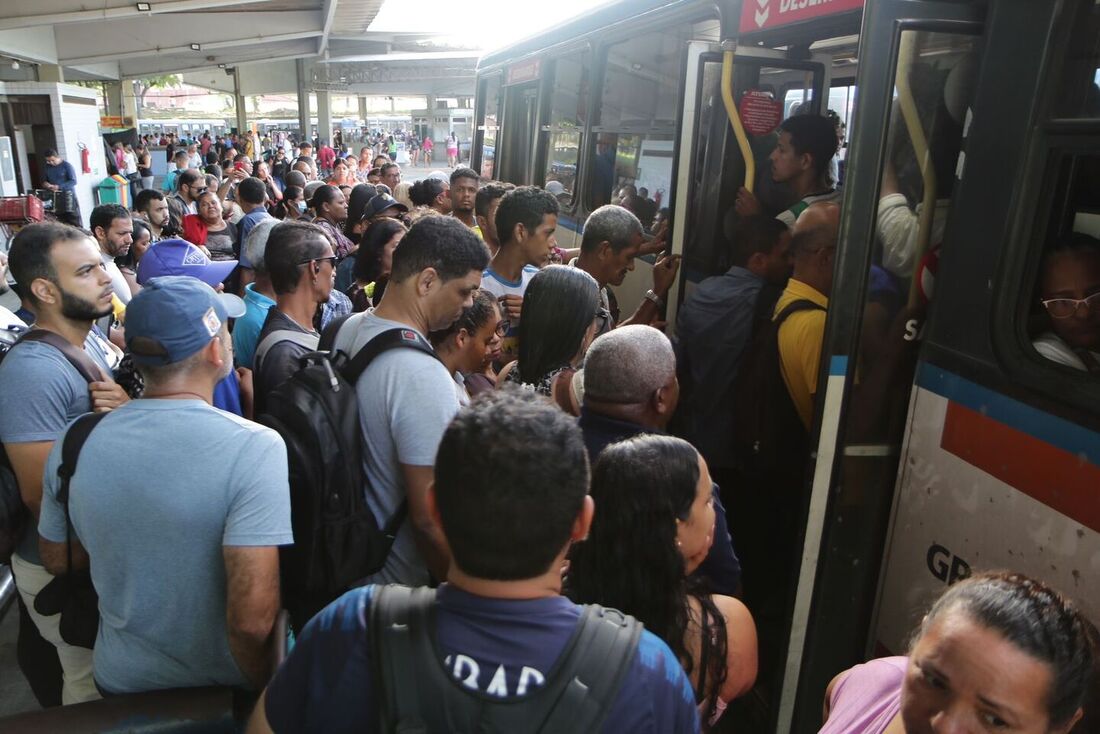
(73, 124)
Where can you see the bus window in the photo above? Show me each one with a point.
(489, 125)
(636, 127)
(568, 102)
(1080, 85)
(1063, 319)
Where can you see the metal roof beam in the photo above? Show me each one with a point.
(127, 11)
(239, 43)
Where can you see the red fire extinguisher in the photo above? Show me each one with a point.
(85, 158)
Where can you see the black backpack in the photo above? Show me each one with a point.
(414, 693)
(13, 513)
(768, 430)
(337, 540)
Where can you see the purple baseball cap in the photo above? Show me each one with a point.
(180, 257)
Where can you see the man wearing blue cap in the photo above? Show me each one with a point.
(180, 257)
(183, 538)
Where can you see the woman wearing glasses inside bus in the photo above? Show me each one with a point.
(1069, 288)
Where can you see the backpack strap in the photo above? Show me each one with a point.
(415, 694)
(801, 304)
(71, 444)
(308, 341)
(78, 358)
(328, 334)
(387, 340)
(591, 676)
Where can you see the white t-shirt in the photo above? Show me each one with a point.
(1051, 346)
(118, 282)
(788, 217)
(406, 400)
(500, 287)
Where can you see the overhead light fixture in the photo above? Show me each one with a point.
(221, 66)
(14, 64)
(144, 7)
(196, 47)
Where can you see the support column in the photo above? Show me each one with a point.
(51, 73)
(239, 103)
(363, 109)
(303, 99)
(324, 117)
(113, 92)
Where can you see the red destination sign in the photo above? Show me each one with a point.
(760, 15)
(760, 114)
(524, 71)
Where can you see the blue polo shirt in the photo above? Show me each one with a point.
(246, 329)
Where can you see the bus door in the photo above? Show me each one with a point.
(917, 65)
(768, 86)
(521, 110)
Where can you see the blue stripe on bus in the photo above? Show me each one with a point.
(1056, 431)
(838, 366)
(573, 225)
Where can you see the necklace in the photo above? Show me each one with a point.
(176, 395)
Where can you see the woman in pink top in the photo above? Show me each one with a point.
(997, 652)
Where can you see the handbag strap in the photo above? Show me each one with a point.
(78, 358)
(71, 445)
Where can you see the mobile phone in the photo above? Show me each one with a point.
(239, 165)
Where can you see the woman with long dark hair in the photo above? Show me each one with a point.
(654, 525)
(373, 262)
(292, 206)
(559, 322)
(357, 202)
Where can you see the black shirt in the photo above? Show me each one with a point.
(281, 360)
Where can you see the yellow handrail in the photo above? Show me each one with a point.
(735, 119)
(908, 106)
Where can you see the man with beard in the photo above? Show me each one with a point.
(114, 232)
(463, 192)
(182, 541)
(62, 279)
(613, 237)
(152, 207)
(302, 268)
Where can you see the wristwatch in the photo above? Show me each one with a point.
(651, 295)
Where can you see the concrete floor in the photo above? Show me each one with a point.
(15, 694)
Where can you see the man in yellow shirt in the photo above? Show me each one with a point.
(802, 334)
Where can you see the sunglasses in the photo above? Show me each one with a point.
(330, 259)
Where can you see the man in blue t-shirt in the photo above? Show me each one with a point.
(182, 539)
(511, 497)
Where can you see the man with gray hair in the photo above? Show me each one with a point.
(259, 295)
(630, 388)
(613, 237)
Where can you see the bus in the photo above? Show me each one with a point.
(943, 441)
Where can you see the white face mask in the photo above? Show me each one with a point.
(301, 207)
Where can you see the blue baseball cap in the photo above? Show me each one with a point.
(180, 257)
(173, 317)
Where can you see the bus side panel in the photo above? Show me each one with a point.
(987, 483)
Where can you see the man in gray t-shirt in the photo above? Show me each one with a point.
(182, 527)
(407, 398)
(62, 280)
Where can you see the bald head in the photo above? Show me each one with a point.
(817, 227)
(628, 365)
(813, 245)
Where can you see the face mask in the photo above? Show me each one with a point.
(301, 207)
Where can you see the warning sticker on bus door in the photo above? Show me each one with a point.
(759, 15)
(760, 113)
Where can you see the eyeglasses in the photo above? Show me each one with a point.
(331, 259)
(198, 192)
(1063, 308)
(502, 328)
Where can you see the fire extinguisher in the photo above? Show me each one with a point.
(85, 158)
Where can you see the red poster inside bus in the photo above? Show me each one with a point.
(760, 15)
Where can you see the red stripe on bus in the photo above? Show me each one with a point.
(1053, 476)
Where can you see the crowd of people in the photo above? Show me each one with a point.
(539, 458)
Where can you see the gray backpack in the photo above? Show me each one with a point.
(415, 694)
